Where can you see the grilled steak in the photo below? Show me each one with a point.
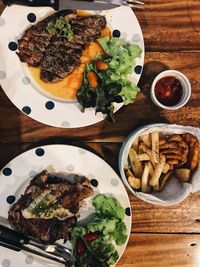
(47, 209)
(57, 56)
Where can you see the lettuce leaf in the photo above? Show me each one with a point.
(114, 85)
(123, 55)
(105, 250)
(108, 223)
(108, 207)
(129, 91)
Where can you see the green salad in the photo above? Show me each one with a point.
(93, 245)
(105, 78)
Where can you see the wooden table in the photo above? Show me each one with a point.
(160, 236)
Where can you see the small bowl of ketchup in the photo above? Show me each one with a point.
(170, 89)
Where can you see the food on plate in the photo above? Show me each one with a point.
(55, 44)
(49, 206)
(153, 158)
(183, 174)
(168, 90)
(94, 243)
(105, 78)
(72, 56)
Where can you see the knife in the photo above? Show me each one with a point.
(16, 241)
(65, 4)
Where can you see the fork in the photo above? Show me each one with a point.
(132, 3)
(14, 240)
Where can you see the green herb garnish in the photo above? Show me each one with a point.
(42, 206)
(60, 28)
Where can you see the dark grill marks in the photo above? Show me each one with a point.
(58, 57)
(47, 77)
(58, 66)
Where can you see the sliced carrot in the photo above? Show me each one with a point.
(101, 65)
(92, 79)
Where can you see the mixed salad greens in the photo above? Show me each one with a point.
(93, 245)
(105, 78)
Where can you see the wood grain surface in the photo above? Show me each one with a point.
(151, 250)
(160, 236)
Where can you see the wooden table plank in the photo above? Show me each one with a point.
(143, 111)
(145, 250)
(170, 25)
(183, 217)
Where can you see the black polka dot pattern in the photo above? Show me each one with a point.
(26, 110)
(50, 105)
(94, 182)
(128, 211)
(12, 46)
(31, 17)
(138, 69)
(7, 171)
(39, 152)
(10, 199)
(116, 33)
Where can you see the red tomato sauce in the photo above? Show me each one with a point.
(168, 91)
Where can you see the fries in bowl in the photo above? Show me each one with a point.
(154, 157)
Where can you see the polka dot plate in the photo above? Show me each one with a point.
(16, 175)
(19, 85)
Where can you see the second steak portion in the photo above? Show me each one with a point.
(48, 208)
(57, 56)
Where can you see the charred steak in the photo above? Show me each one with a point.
(47, 210)
(57, 56)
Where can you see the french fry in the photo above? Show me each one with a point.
(166, 168)
(144, 149)
(143, 157)
(157, 172)
(155, 146)
(135, 144)
(134, 182)
(183, 174)
(146, 139)
(150, 168)
(156, 187)
(135, 163)
(145, 178)
(164, 179)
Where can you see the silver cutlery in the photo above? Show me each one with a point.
(78, 4)
(16, 241)
(132, 3)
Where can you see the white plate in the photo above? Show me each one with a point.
(16, 175)
(20, 88)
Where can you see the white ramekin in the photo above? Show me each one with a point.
(184, 82)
